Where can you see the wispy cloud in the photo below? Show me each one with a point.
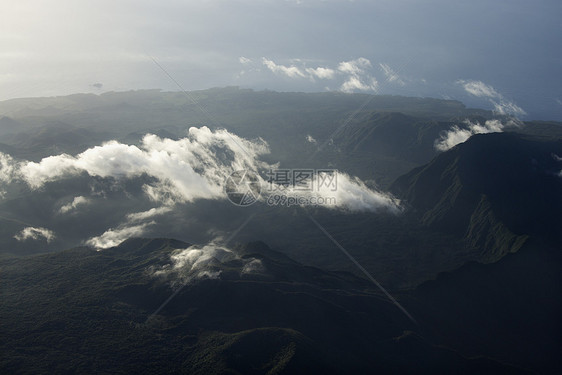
(354, 83)
(113, 237)
(135, 225)
(321, 73)
(354, 67)
(244, 60)
(144, 215)
(197, 262)
(458, 134)
(182, 171)
(310, 139)
(77, 201)
(352, 75)
(35, 233)
(7, 168)
(357, 76)
(290, 71)
(391, 75)
(346, 193)
(479, 88)
(559, 159)
(501, 105)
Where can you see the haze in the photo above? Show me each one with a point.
(503, 56)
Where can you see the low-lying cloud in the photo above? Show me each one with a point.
(199, 262)
(346, 193)
(189, 168)
(181, 171)
(135, 225)
(113, 237)
(458, 134)
(35, 233)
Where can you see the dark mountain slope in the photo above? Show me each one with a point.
(510, 310)
(494, 189)
(392, 134)
(87, 311)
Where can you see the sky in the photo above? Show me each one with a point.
(501, 55)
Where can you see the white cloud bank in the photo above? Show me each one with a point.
(501, 105)
(344, 193)
(184, 170)
(458, 134)
(35, 233)
(187, 169)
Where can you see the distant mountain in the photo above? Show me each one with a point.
(8, 125)
(495, 190)
(86, 311)
(392, 134)
(53, 138)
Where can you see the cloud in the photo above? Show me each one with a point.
(253, 266)
(140, 216)
(135, 225)
(77, 201)
(187, 169)
(113, 237)
(310, 139)
(501, 105)
(391, 75)
(352, 194)
(479, 89)
(559, 159)
(35, 233)
(457, 135)
(355, 83)
(322, 73)
(357, 77)
(289, 71)
(197, 262)
(354, 73)
(184, 170)
(244, 60)
(354, 67)
(504, 107)
(7, 168)
(335, 190)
